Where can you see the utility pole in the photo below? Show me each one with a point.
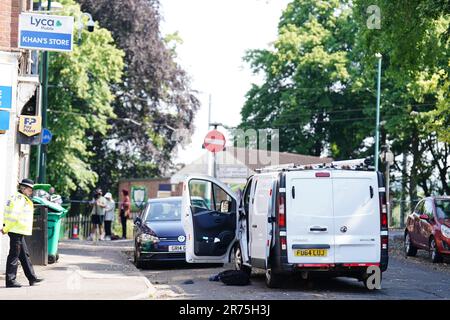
(42, 150)
(377, 127)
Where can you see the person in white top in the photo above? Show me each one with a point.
(109, 215)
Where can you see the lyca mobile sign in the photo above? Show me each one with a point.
(44, 32)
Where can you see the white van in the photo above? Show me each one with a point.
(290, 220)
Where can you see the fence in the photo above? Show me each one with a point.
(82, 222)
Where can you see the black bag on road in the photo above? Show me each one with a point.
(234, 277)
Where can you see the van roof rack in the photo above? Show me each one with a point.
(362, 164)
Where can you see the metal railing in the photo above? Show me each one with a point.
(82, 222)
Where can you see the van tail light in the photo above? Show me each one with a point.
(383, 212)
(281, 212)
(384, 242)
(283, 243)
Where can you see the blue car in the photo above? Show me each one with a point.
(158, 232)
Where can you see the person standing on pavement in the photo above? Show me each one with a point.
(98, 215)
(18, 223)
(109, 215)
(125, 212)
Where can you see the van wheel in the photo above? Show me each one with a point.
(238, 260)
(410, 250)
(434, 252)
(273, 280)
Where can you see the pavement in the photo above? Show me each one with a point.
(85, 271)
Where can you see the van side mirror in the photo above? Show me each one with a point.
(224, 206)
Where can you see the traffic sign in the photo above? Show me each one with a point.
(214, 141)
(45, 32)
(46, 136)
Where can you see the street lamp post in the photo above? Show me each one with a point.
(43, 149)
(377, 128)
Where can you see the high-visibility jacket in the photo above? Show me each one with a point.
(18, 216)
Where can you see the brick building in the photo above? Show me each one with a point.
(18, 85)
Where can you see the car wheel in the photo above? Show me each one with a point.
(273, 280)
(410, 250)
(434, 252)
(238, 260)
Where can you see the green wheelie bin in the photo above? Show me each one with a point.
(55, 214)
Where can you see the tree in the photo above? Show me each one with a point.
(414, 37)
(153, 102)
(310, 92)
(319, 84)
(80, 99)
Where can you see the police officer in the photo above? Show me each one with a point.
(18, 222)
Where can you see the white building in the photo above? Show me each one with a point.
(235, 165)
(17, 86)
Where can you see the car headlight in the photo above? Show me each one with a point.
(445, 231)
(148, 238)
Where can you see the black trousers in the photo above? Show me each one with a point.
(18, 251)
(123, 221)
(108, 228)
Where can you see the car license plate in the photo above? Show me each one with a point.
(177, 248)
(311, 252)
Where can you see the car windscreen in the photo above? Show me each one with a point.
(163, 211)
(443, 208)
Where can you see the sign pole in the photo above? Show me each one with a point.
(43, 149)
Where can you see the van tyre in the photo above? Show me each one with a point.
(238, 260)
(434, 252)
(410, 250)
(273, 280)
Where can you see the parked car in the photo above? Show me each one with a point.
(158, 232)
(428, 228)
(290, 220)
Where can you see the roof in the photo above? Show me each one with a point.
(236, 164)
(248, 157)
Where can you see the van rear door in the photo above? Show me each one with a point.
(356, 216)
(309, 217)
(261, 218)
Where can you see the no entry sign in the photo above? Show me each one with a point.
(214, 141)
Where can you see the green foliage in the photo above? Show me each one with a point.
(80, 99)
(154, 99)
(309, 78)
(320, 79)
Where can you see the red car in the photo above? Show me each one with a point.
(428, 228)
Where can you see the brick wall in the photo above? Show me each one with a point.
(9, 22)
